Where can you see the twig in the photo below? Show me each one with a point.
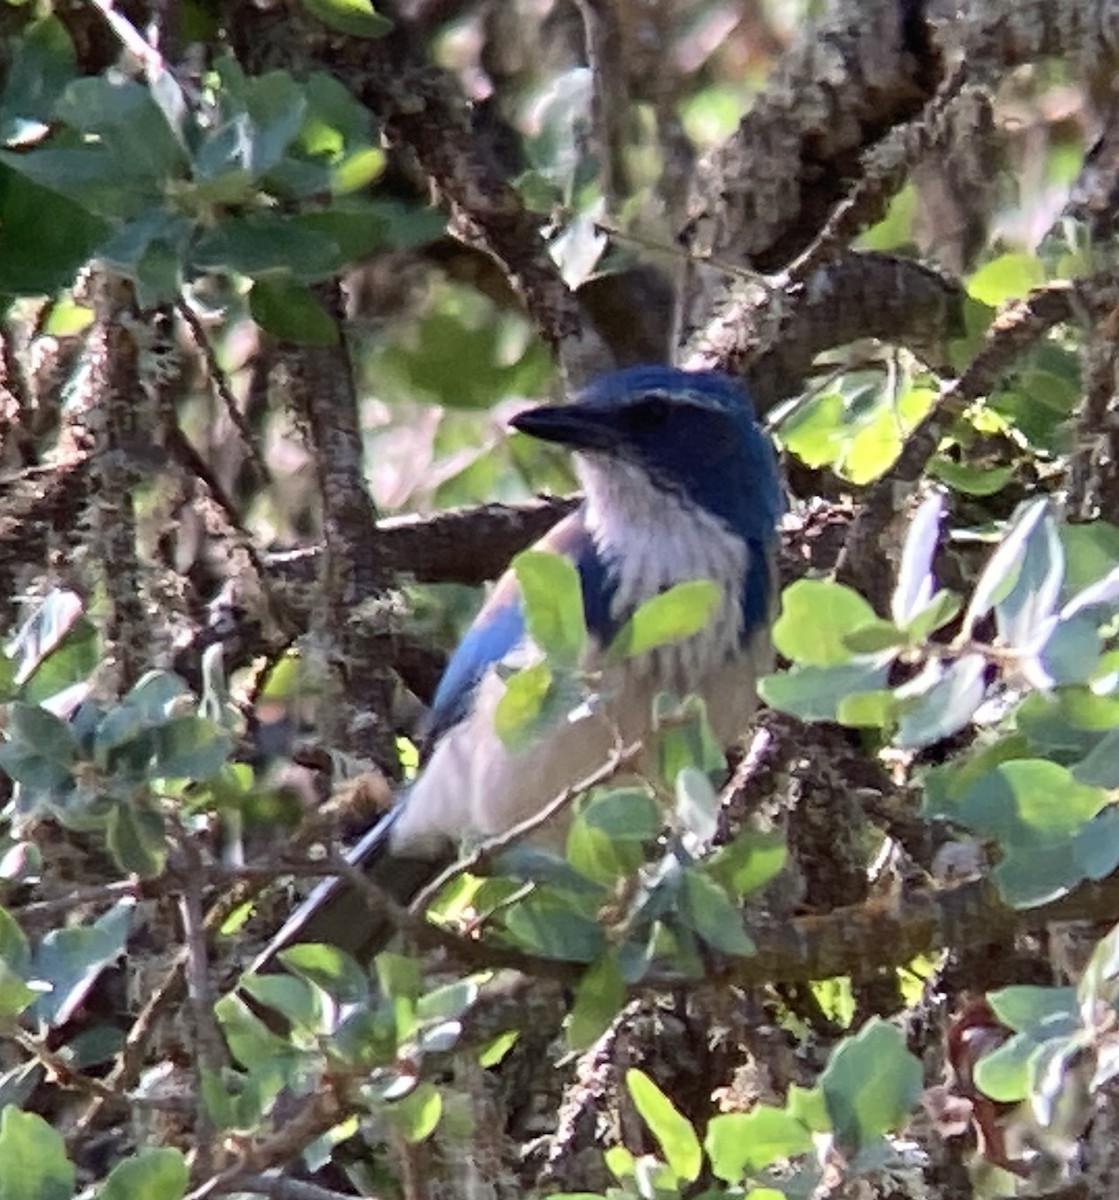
(64, 1074)
(224, 392)
(279, 1187)
(131, 1061)
(209, 1057)
(620, 759)
(321, 1113)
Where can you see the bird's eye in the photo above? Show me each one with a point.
(649, 412)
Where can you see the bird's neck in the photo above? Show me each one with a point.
(650, 539)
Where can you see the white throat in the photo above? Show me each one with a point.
(651, 539)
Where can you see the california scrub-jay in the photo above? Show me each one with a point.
(680, 483)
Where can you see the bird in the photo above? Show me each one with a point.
(679, 482)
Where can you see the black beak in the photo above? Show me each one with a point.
(568, 425)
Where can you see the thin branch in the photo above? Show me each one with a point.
(1016, 329)
(321, 1113)
(483, 855)
(129, 1066)
(209, 1050)
(224, 392)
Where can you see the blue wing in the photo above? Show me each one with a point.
(499, 627)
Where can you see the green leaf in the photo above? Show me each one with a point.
(684, 737)
(294, 999)
(868, 710)
(548, 926)
(815, 693)
(606, 840)
(874, 638)
(330, 968)
(535, 864)
(1036, 810)
(71, 959)
(1100, 766)
(879, 436)
(809, 1107)
(14, 948)
(1041, 1011)
(599, 997)
(155, 1173)
(1091, 551)
(678, 613)
(266, 243)
(870, 1084)
(941, 609)
(42, 65)
(1004, 1072)
(416, 1116)
(122, 114)
(292, 312)
(398, 975)
(553, 605)
(707, 910)
(624, 813)
(494, 1052)
(250, 1041)
(33, 1162)
(673, 1132)
(15, 994)
(816, 618)
(449, 1002)
(750, 861)
(971, 481)
(40, 732)
(190, 747)
(1006, 277)
(522, 704)
(739, 1143)
(137, 839)
(356, 17)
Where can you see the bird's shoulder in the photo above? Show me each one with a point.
(499, 627)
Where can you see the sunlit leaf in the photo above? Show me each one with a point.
(674, 1133)
(670, 616)
(416, 1116)
(816, 618)
(1006, 277)
(815, 693)
(33, 1162)
(156, 1173)
(553, 604)
(870, 1084)
(737, 1143)
(330, 968)
(356, 17)
(599, 997)
(707, 910)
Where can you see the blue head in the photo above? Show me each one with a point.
(691, 434)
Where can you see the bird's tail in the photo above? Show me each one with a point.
(341, 914)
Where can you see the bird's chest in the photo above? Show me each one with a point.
(652, 564)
